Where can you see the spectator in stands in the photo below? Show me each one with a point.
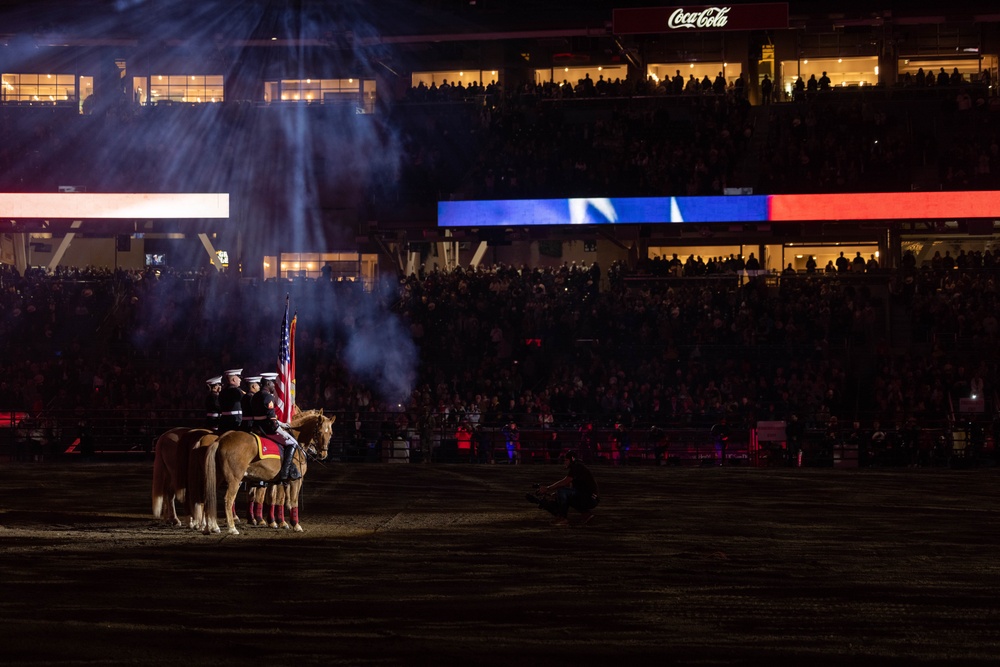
(719, 85)
(720, 436)
(512, 439)
(463, 438)
(766, 90)
(677, 83)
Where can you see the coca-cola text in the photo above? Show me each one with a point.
(711, 17)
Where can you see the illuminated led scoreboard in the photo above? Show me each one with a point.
(113, 206)
(884, 206)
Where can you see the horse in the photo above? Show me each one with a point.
(234, 456)
(170, 471)
(273, 495)
(196, 479)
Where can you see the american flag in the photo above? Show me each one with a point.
(285, 386)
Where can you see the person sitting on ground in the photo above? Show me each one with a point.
(578, 489)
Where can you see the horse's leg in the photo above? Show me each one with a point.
(257, 506)
(281, 517)
(232, 488)
(170, 495)
(277, 494)
(196, 486)
(170, 509)
(293, 504)
(252, 506)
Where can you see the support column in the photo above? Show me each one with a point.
(64, 245)
(20, 252)
(210, 249)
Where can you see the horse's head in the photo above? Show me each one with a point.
(319, 442)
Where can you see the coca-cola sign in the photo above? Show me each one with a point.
(763, 16)
(710, 17)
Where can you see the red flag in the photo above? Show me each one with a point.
(285, 386)
(292, 409)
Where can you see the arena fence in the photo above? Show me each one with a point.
(389, 438)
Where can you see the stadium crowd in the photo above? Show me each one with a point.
(647, 345)
(544, 348)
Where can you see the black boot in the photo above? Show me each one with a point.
(286, 463)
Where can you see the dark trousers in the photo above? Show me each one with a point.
(566, 498)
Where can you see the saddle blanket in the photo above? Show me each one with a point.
(269, 446)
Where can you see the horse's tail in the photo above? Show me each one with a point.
(159, 479)
(211, 482)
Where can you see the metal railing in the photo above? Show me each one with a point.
(388, 437)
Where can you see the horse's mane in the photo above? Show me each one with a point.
(302, 416)
(307, 423)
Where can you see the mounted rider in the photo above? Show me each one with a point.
(212, 409)
(230, 401)
(266, 419)
(253, 386)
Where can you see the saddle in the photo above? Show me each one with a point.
(269, 446)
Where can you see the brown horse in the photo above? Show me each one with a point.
(170, 471)
(234, 456)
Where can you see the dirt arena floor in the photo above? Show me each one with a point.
(449, 565)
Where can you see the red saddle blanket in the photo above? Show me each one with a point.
(269, 446)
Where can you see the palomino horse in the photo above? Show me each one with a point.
(170, 471)
(234, 456)
(275, 495)
(196, 474)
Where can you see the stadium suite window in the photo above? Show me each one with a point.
(192, 89)
(37, 87)
(312, 90)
